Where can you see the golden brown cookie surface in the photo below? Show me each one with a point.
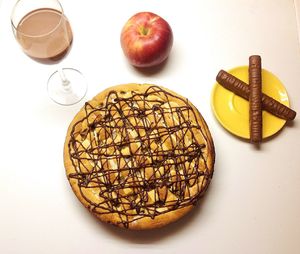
(139, 156)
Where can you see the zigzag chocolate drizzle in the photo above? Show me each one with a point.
(136, 158)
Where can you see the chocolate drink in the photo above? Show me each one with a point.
(45, 35)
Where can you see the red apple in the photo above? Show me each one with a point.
(146, 39)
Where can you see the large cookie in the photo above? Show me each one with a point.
(139, 156)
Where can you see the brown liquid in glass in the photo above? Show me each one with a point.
(45, 35)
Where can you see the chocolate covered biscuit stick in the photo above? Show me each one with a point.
(240, 88)
(255, 99)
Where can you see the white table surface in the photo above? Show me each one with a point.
(253, 202)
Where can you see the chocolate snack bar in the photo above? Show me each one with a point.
(255, 99)
(240, 88)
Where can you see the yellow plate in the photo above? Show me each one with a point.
(232, 111)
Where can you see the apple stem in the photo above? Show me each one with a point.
(144, 30)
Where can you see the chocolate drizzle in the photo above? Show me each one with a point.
(140, 154)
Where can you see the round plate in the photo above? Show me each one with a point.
(232, 111)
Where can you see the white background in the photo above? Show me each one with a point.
(253, 202)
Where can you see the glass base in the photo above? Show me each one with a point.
(67, 86)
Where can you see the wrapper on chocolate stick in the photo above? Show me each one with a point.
(241, 89)
(255, 99)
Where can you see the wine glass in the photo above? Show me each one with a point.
(45, 35)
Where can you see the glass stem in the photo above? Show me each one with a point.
(64, 81)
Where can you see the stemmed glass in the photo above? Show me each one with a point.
(45, 35)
